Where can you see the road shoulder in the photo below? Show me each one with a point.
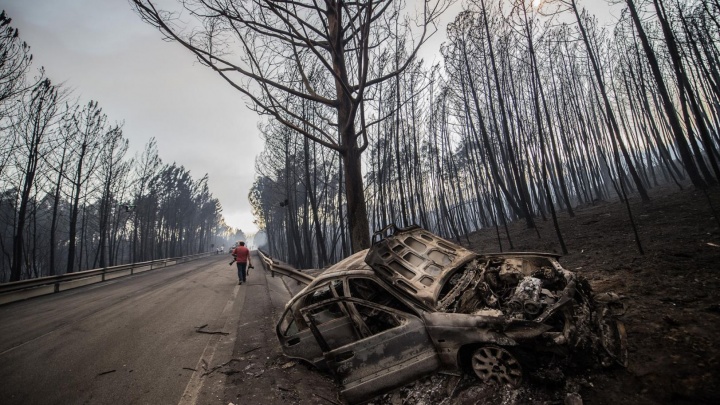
(258, 372)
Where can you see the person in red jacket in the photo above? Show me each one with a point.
(242, 258)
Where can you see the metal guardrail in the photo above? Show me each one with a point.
(20, 290)
(284, 269)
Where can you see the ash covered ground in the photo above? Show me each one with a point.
(672, 294)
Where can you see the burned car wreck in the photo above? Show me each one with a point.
(415, 304)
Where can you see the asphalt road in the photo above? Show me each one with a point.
(132, 340)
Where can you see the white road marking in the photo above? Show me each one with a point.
(197, 379)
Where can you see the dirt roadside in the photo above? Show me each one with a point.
(258, 372)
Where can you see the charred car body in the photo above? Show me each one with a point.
(415, 303)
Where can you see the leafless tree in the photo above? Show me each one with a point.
(263, 47)
(88, 125)
(33, 128)
(112, 174)
(690, 162)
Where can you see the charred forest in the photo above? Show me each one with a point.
(71, 197)
(535, 108)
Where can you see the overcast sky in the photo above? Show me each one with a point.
(103, 51)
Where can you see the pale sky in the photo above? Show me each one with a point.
(103, 51)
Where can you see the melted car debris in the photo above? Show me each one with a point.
(517, 286)
(536, 288)
(420, 304)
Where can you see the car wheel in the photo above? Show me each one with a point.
(493, 364)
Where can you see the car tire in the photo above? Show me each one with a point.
(496, 365)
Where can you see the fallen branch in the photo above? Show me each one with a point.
(208, 332)
(252, 350)
(210, 371)
(106, 372)
(189, 368)
(214, 369)
(212, 332)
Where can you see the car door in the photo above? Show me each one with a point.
(297, 339)
(392, 349)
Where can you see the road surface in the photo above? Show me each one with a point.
(137, 340)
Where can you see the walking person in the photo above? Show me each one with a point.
(242, 258)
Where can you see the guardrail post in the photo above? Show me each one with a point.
(56, 287)
(103, 274)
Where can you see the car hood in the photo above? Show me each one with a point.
(416, 261)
